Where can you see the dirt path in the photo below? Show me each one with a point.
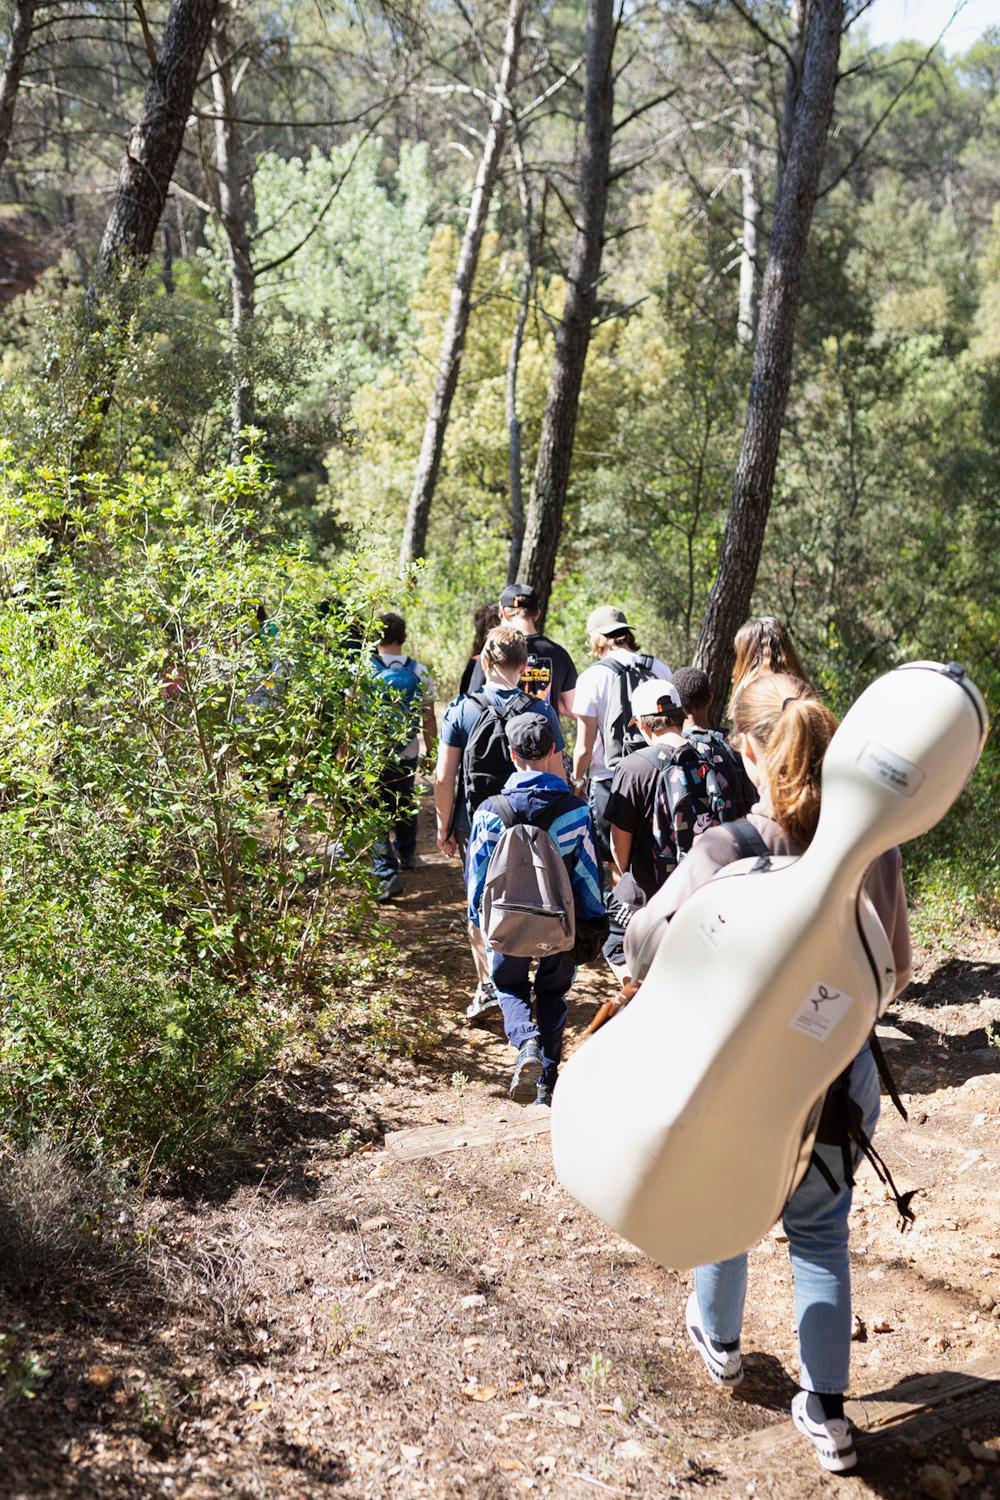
(342, 1323)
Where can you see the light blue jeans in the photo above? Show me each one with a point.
(815, 1220)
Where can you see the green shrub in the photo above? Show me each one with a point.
(187, 766)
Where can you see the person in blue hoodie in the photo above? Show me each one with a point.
(531, 788)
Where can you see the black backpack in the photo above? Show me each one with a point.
(486, 762)
(738, 791)
(690, 796)
(619, 734)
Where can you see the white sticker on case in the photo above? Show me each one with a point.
(891, 769)
(821, 1010)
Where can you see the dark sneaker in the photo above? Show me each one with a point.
(527, 1074)
(389, 889)
(724, 1362)
(830, 1436)
(409, 863)
(484, 1006)
(544, 1094)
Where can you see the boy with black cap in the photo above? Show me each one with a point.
(531, 791)
(549, 673)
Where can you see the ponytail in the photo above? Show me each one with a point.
(793, 728)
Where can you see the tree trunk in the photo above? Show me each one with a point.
(22, 22)
(155, 141)
(429, 463)
(798, 20)
(772, 364)
(750, 239)
(513, 368)
(235, 194)
(555, 446)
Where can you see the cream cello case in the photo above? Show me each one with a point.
(686, 1122)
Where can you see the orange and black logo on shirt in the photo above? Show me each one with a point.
(536, 679)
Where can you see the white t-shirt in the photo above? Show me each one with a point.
(426, 691)
(593, 698)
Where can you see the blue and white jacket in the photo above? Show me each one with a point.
(529, 793)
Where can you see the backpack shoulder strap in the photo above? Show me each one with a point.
(748, 840)
(645, 662)
(501, 805)
(517, 705)
(614, 665)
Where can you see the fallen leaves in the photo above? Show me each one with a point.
(101, 1377)
(479, 1392)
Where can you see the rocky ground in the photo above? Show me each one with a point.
(329, 1320)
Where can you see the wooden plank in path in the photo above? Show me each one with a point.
(912, 1410)
(436, 1140)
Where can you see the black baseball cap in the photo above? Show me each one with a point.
(530, 736)
(519, 596)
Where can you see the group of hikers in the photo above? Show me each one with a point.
(661, 800)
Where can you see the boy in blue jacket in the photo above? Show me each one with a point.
(530, 790)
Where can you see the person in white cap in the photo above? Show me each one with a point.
(602, 707)
(659, 718)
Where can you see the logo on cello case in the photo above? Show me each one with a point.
(821, 1010)
(891, 769)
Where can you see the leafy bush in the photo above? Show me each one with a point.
(187, 767)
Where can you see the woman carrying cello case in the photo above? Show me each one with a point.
(754, 1000)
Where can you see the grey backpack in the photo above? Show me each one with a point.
(528, 909)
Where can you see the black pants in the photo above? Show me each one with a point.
(396, 796)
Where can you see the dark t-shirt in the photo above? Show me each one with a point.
(548, 673)
(630, 808)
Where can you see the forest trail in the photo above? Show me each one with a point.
(455, 1325)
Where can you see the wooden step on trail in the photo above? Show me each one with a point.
(915, 1409)
(515, 1124)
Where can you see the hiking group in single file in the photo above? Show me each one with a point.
(569, 856)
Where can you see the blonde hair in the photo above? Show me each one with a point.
(793, 729)
(504, 647)
(763, 645)
(600, 645)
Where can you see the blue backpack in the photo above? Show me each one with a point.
(400, 684)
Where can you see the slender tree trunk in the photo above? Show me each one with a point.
(167, 274)
(155, 140)
(798, 20)
(429, 463)
(235, 191)
(750, 240)
(772, 365)
(513, 368)
(21, 25)
(555, 446)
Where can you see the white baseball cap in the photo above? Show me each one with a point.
(654, 696)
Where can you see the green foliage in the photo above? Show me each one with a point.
(342, 299)
(187, 772)
(953, 873)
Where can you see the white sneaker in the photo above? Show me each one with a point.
(830, 1436)
(483, 1002)
(724, 1362)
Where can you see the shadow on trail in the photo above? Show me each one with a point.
(927, 1417)
(955, 982)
